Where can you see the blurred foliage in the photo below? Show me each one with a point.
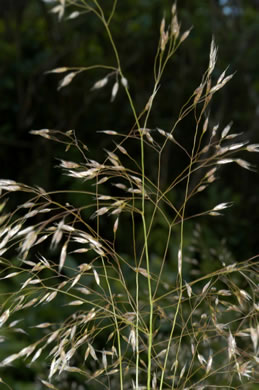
(32, 42)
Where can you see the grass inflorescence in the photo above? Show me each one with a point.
(145, 317)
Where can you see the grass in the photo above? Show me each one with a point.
(141, 318)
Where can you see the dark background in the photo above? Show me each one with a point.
(33, 41)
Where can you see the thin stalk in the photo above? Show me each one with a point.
(150, 334)
(137, 331)
(116, 324)
(181, 247)
(137, 301)
(180, 288)
(106, 25)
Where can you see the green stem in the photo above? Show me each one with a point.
(150, 334)
(116, 324)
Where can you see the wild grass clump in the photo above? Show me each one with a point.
(144, 317)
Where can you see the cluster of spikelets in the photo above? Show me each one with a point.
(159, 331)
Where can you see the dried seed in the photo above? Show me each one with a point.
(73, 15)
(213, 57)
(4, 317)
(182, 371)
(51, 296)
(205, 288)
(189, 289)
(96, 276)
(75, 281)
(63, 256)
(124, 82)
(115, 90)
(84, 267)
(92, 351)
(9, 359)
(180, 258)
(104, 360)
(67, 80)
(48, 384)
(58, 70)
(232, 347)
(100, 83)
(142, 271)
(37, 355)
(11, 275)
(222, 206)
(115, 226)
(201, 359)
(109, 132)
(75, 303)
(185, 35)
(209, 364)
